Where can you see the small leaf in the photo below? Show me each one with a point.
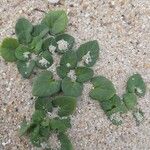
(40, 30)
(62, 71)
(130, 100)
(36, 44)
(35, 137)
(44, 85)
(45, 60)
(66, 104)
(88, 53)
(71, 88)
(44, 132)
(136, 85)
(47, 42)
(56, 21)
(69, 59)
(60, 125)
(43, 104)
(83, 74)
(65, 142)
(8, 47)
(25, 68)
(22, 53)
(139, 116)
(38, 116)
(24, 127)
(103, 89)
(64, 42)
(23, 26)
(24, 38)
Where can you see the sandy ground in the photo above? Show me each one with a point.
(122, 28)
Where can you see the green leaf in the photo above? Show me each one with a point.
(35, 137)
(64, 42)
(22, 53)
(24, 127)
(65, 142)
(43, 104)
(56, 21)
(36, 44)
(60, 125)
(83, 74)
(130, 100)
(45, 60)
(24, 38)
(62, 71)
(48, 42)
(136, 85)
(8, 47)
(44, 132)
(44, 85)
(88, 53)
(66, 104)
(138, 115)
(71, 88)
(25, 68)
(69, 59)
(38, 116)
(40, 30)
(23, 26)
(103, 89)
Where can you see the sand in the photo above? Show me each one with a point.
(122, 28)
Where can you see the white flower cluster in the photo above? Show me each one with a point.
(52, 49)
(43, 62)
(87, 58)
(26, 54)
(62, 45)
(71, 74)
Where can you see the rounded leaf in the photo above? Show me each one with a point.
(71, 88)
(43, 104)
(22, 53)
(8, 47)
(83, 74)
(47, 43)
(130, 100)
(88, 53)
(25, 68)
(66, 104)
(69, 60)
(64, 42)
(44, 85)
(136, 85)
(62, 71)
(103, 89)
(56, 21)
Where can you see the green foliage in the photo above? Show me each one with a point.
(47, 42)
(8, 48)
(43, 104)
(69, 60)
(91, 48)
(65, 142)
(44, 85)
(60, 125)
(62, 71)
(103, 89)
(56, 21)
(67, 38)
(83, 74)
(130, 100)
(22, 53)
(66, 104)
(136, 85)
(44, 56)
(25, 68)
(71, 88)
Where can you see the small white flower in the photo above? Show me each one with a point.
(62, 45)
(43, 62)
(33, 56)
(87, 58)
(71, 74)
(68, 65)
(139, 90)
(26, 54)
(52, 49)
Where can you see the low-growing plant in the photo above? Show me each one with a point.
(34, 49)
